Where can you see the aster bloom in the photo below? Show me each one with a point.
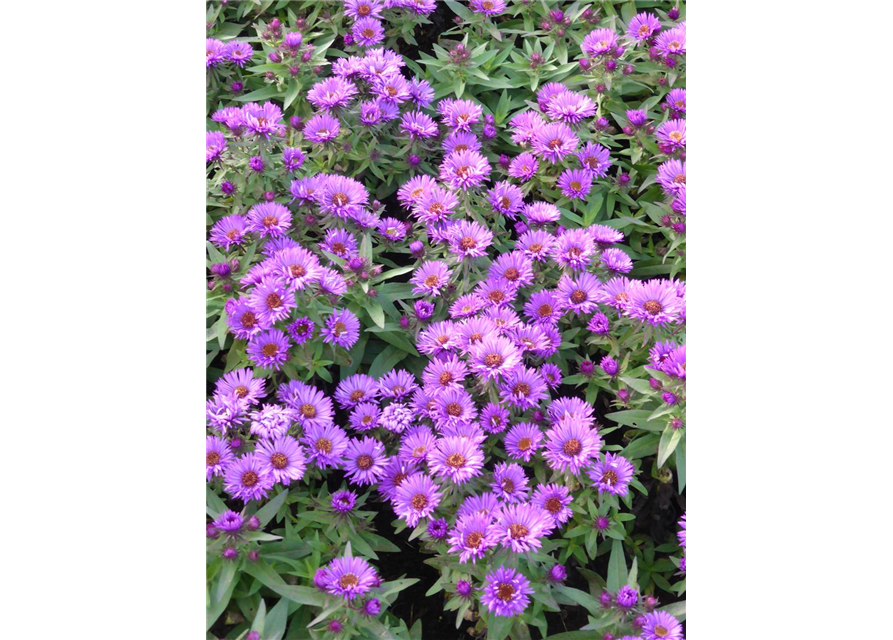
(332, 283)
(523, 166)
(493, 291)
(312, 407)
(541, 213)
(453, 406)
(239, 52)
(596, 159)
(217, 457)
(580, 292)
(574, 249)
(510, 482)
(269, 219)
(263, 120)
(413, 189)
(575, 183)
(436, 205)
(674, 365)
(506, 592)
(395, 472)
(460, 114)
(460, 141)
(554, 500)
(300, 330)
(243, 321)
(514, 267)
(229, 231)
(642, 26)
(570, 444)
(331, 93)
(418, 125)
(494, 418)
(678, 204)
(229, 522)
(672, 134)
(671, 42)
(456, 458)
(612, 475)
(391, 88)
(367, 32)
(554, 141)
(671, 176)
(342, 328)
(438, 529)
(488, 7)
(272, 421)
(343, 501)
(571, 407)
(523, 388)
(471, 537)
(357, 9)
(654, 301)
(442, 374)
(469, 239)
(246, 479)
(616, 292)
(215, 143)
(616, 261)
(519, 527)
(660, 625)
(269, 349)
(292, 158)
(544, 307)
(525, 124)
(676, 100)
(551, 374)
(536, 244)
(349, 577)
(355, 389)
(599, 42)
(224, 412)
(342, 196)
(486, 504)
(322, 128)
(397, 384)
(396, 417)
(523, 440)
(365, 461)
(627, 597)
(494, 356)
(430, 278)
(364, 416)
(506, 198)
(307, 190)
(242, 384)
(465, 306)
(464, 169)
(325, 444)
(570, 107)
(283, 458)
(604, 236)
(271, 300)
(416, 498)
(438, 338)
(339, 242)
(215, 51)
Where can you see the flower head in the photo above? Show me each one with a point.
(506, 592)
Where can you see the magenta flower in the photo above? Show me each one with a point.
(246, 479)
(283, 458)
(342, 328)
(575, 183)
(523, 166)
(430, 278)
(456, 458)
(365, 461)
(555, 141)
(523, 440)
(510, 482)
(325, 445)
(519, 527)
(506, 592)
(642, 26)
(613, 475)
(269, 349)
(349, 578)
(469, 239)
(599, 42)
(269, 219)
(416, 498)
(523, 387)
(472, 536)
(464, 169)
(570, 444)
(555, 500)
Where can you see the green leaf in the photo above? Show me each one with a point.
(385, 361)
(294, 88)
(266, 513)
(668, 441)
(498, 627)
(680, 465)
(274, 627)
(617, 573)
(641, 447)
(260, 617)
(376, 313)
(582, 598)
(261, 94)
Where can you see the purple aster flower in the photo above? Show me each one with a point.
(544, 307)
(322, 128)
(523, 388)
(395, 472)
(494, 356)
(672, 42)
(332, 283)
(485, 504)
(637, 117)
(494, 291)
(671, 176)
(420, 93)
(271, 300)
(525, 124)
(616, 292)
(488, 7)
(609, 365)
(642, 26)
(215, 52)
(551, 374)
(263, 120)
(554, 141)
(536, 245)
(356, 389)
(469, 239)
(514, 267)
(654, 301)
(678, 204)
(239, 53)
(269, 349)
(416, 498)
(272, 421)
(269, 219)
(243, 384)
(312, 407)
(494, 418)
(557, 574)
(215, 143)
(672, 134)
(228, 231)
(416, 445)
(418, 125)
(412, 191)
(471, 537)
(456, 458)
(460, 114)
(464, 169)
(503, 317)
(579, 293)
(326, 445)
(292, 158)
(571, 408)
(604, 236)
(660, 625)
(217, 457)
(596, 159)
(256, 163)
(570, 444)
(391, 88)
(523, 166)
(430, 278)
(519, 527)
(570, 107)
(574, 249)
(339, 242)
(282, 458)
(676, 100)
(331, 93)
(367, 32)
(371, 607)
(357, 9)
(599, 42)
(365, 461)
(506, 592)
(613, 475)
(465, 306)
(437, 529)
(423, 309)
(575, 183)
(229, 522)
(396, 417)
(349, 577)
(554, 500)
(506, 198)
(683, 524)
(627, 597)
(306, 190)
(453, 406)
(438, 338)
(616, 261)
(223, 412)
(541, 213)
(301, 330)
(246, 479)
(397, 384)
(436, 205)
(510, 482)
(442, 374)
(460, 141)
(523, 440)
(674, 365)
(342, 328)
(297, 267)
(364, 416)
(342, 196)
(344, 501)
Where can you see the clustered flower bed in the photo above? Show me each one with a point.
(446, 311)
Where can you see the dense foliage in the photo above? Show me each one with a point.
(446, 319)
